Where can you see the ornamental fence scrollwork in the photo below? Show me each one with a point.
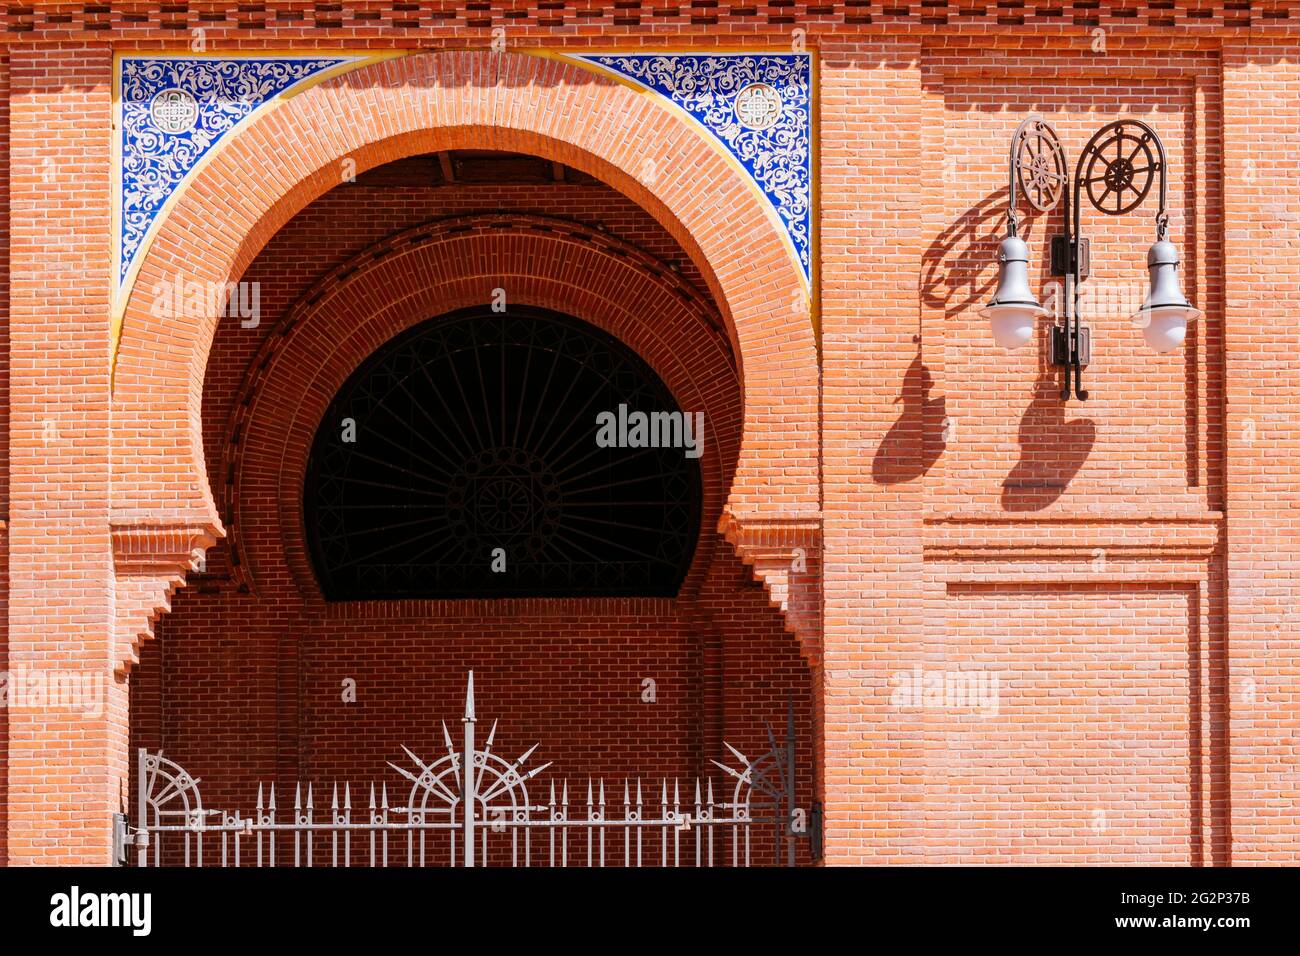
(472, 806)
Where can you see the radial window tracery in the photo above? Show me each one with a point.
(461, 460)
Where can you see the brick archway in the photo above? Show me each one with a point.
(432, 269)
(162, 505)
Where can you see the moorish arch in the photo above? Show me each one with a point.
(163, 510)
(436, 269)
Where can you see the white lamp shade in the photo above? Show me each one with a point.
(1012, 323)
(1013, 308)
(1164, 315)
(1165, 329)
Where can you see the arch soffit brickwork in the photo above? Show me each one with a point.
(428, 270)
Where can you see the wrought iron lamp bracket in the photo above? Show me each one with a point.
(1116, 170)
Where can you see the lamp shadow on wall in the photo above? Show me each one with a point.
(913, 443)
(1052, 447)
(955, 278)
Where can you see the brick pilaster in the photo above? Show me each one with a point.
(64, 767)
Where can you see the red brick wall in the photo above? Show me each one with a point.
(1262, 211)
(1126, 567)
(1070, 551)
(4, 449)
(63, 770)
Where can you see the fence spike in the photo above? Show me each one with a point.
(739, 756)
(469, 699)
(602, 792)
(527, 753)
(271, 806)
(414, 759)
(588, 793)
(697, 794)
(710, 791)
(534, 772)
(626, 800)
(347, 796)
(297, 796)
(384, 805)
(491, 736)
(735, 773)
(446, 739)
(310, 804)
(777, 752)
(372, 795)
(405, 773)
(259, 798)
(334, 801)
(638, 793)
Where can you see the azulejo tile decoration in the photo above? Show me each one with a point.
(173, 110)
(757, 106)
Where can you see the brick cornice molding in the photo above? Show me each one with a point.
(143, 547)
(381, 19)
(760, 533)
(1152, 537)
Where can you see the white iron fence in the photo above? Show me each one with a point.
(472, 807)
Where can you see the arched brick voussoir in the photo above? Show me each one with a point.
(427, 271)
(447, 100)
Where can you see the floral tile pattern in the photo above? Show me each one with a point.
(173, 110)
(758, 106)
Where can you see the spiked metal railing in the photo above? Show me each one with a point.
(462, 798)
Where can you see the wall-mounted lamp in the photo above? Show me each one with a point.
(1118, 167)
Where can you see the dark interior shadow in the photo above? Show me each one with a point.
(1052, 448)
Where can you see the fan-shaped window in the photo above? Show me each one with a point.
(462, 460)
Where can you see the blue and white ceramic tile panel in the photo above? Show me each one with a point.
(758, 107)
(173, 110)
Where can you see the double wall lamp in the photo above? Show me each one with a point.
(1117, 168)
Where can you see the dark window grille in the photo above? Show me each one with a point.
(476, 431)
